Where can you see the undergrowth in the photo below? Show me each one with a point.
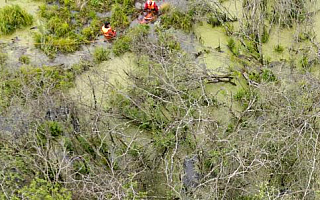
(12, 18)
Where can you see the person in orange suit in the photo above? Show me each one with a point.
(108, 32)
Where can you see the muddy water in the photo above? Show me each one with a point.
(30, 5)
(107, 74)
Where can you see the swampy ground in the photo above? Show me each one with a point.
(214, 100)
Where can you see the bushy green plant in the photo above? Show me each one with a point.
(233, 47)
(101, 54)
(124, 43)
(178, 20)
(36, 79)
(121, 45)
(268, 76)
(92, 31)
(51, 45)
(214, 21)
(119, 16)
(12, 18)
(42, 189)
(24, 59)
(278, 48)
(58, 27)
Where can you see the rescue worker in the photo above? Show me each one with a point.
(151, 5)
(108, 32)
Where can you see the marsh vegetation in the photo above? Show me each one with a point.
(208, 102)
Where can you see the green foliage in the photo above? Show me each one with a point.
(24, 59)
(54, 128)
(58, 27)
(121, 45)
(51, 45)
(125, 43)
(119, 16)
(101, 54)
(36, 79)
(178, 20)
(229, 29)
(278, 48)
(214, 21)
(217, 18)
(41, 189)
(304, 61)
(12, 18)
(268, 76)
(48, 12)
(92, 31)
(233, 46)
(61, 34)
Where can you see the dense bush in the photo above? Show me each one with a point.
(126, 42)
(12, 18)
(178, 19)
(101, 54)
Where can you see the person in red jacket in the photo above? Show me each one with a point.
(151, 6)
(108, 32)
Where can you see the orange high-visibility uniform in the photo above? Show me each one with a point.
(151, 6)
(108, 32)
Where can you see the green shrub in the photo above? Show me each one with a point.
(51, 45)
(12, 18)
(36, 79)
(24, 59)
(48, 12)
(124, 43)
(178, 20)
(268, 76)
(121, 45)
(233, 47)
(304, 62)
(278, 48)
(119, 17)
(58, 27)
(42, 189)
(214, 21)
(101, 54)
(92, 31)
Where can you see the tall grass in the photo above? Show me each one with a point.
(12, 18)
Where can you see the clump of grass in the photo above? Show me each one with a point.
(233, 47)
(12, 18)
(3, 58)
(278, 48)
(101, 54)
(125, 43)
(92, 30)
(58, 27)
(178, 20)
(165, 8)
(228, 29)
(24, 59)
(119, 16)
(268, 76)
(51, 45)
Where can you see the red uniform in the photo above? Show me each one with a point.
(151, 5)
